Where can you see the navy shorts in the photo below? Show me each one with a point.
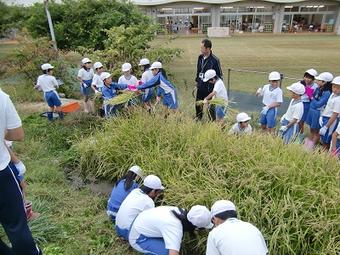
(306, 106)
(220, 111)
(327, 138)
(52, 98)
(269, 119)
(86, 91)
(313, 118)
(170, 100)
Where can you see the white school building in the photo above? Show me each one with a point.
(272, 16)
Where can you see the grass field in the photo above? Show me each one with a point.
(74, 220)
(288, 54)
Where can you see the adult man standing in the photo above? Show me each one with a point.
(12, 212)
(231, 235)
(207, 60)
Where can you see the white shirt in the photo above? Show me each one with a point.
(9, 119)
(136, 202)
(158, 222)
(132, 81)
(96, 81)
(236, 129)
(221, 91)
(236, 237)
(333, 105)
(271, 96)
(85, 75)
(294, 111)
(147, 76)
(47, 82)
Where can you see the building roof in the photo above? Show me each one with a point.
(158, 2)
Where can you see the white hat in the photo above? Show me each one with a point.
(222, 206)
(97, 65)
(46, 66)
(326, 76)
(144, 61)
(312, 72)
(104, 75)
(297, 88)
(209, 75)
(157, 65)
(199, 216)
(336, 80)
(137, 170)
(126, 67)
(242, 117)
(153, 182)
(274, 76)
(85, 60)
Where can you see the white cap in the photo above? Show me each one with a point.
(242, 117)
(222, 206)
(126, 67)
(312, 72)
(104, 75)
(144, 61)
(199, 216)
(297, 88)
(137, 170)
(46, 66)
(97, 65)
(326, 76)
(85, 60)
(274, 76)
(153, 182)
(157, 65)
(336, 80)
(209, 75)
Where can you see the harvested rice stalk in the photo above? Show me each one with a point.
(121, 98)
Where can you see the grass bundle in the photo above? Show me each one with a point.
(215, 101)
(122, 98)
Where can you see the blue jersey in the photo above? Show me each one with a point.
(118, 194)
(164, 86)
(111, 91)
(320, 99)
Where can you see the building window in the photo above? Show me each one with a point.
(201, 10)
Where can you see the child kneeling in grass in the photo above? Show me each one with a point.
(242, 126)
(289, 122)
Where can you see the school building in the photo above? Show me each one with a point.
(272, 16)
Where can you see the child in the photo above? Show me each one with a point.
(127, 77)
(319, 101)
(272, 99)
(48, 84)
(219, 91)
(146, 76)
(19, 169)
(97, 83)
(122, 188)
(165, 88)
(335, 144)
(242, 126)
(329, 118)
(310, 86)
(110, 91)
(290, 120)
(85, 76)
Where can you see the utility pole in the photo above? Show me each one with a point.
(50, 24)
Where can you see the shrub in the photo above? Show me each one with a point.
(83, 22)
(32, 53)
(290, 195)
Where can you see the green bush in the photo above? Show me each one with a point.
(83, 22)
(290, 195)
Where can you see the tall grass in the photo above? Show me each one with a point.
(290, 195)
